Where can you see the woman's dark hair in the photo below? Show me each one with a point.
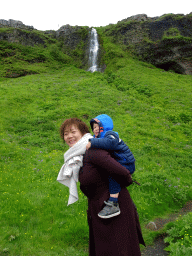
(83, 128)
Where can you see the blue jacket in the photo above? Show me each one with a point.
(110, 141)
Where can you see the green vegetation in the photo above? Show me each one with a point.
(19, 60)
(180, 236)
(151, 110)
(172, 16)
(176, 40)
(36, 52)
(172, 32)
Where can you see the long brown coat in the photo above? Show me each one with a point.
(117, 236)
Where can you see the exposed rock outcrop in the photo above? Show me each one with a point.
(75, 41)
(17, 32)
(71, 36)
(15, 24)
(138, 17)
(169, 54)
(23, 37)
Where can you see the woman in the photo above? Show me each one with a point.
(120, 235)
(76, 134)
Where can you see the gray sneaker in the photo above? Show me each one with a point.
(110, 210)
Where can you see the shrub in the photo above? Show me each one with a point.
(58, 55)
(180, 237)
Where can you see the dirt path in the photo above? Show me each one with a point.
(158, 248)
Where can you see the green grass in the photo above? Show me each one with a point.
(151, 110)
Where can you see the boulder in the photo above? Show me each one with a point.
(152, 226)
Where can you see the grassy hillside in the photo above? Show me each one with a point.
(151, 110)
(18, 60)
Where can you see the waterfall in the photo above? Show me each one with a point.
(93, 51)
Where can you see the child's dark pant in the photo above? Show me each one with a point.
(115, 187)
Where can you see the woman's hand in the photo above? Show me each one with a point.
(88, 145)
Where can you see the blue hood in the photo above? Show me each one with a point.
(105, 124)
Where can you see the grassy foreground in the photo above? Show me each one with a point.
(151, 110)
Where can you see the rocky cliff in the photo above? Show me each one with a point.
(14, 31)
(75, 42)
(72, 41)
(164, 41)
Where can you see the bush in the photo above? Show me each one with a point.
(58, 55)
(180, 237)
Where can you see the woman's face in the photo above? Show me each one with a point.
(72, 135)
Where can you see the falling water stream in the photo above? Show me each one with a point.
(93, 51)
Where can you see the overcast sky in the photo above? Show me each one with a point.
(51, 15)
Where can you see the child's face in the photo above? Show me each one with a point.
(96, 129)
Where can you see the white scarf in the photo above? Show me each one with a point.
(73, 161)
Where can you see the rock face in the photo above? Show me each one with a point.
(169, 54)
(15, 24)
(17, 32)
(164, 41)
(75, 41)
(22, 37)
(138, 17)
(72, 36)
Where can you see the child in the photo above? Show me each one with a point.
(107, 139)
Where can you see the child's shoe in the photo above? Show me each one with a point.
(110, 210)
